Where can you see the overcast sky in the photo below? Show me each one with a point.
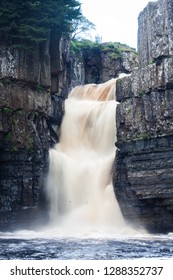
(115, 20)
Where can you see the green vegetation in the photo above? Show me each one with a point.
(5, 81)
(9, 136)
(77, 46)
(24, 23)
(114, 49)
(143, 135)
(29, 142)
(151, 61)
(7, 110)
(38, 87)
(115, 54)
(141, 93)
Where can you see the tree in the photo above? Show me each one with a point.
(24, 23)
(81, 26)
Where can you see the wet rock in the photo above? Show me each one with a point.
(143, 167)
(98, 65)
(29, 126)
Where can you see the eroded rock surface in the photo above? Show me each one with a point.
(144, 161)
(32, 92)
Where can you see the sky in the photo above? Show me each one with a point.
(115, 20)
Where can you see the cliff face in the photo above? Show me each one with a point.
(33, 86)
(100, 65)
(144, 160)
(32, 89)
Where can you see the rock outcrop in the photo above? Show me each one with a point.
(100, 64)
(143, 172)
(33, 86)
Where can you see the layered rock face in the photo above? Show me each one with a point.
(32, 90)
(33, 86)
(143, 173)
(105, 65)
(101, 65)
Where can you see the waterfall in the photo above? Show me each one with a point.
(80, 186)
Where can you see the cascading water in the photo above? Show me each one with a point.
(80, 174)
(86, 222)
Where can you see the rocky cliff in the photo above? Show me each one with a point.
(33, 86)
(32, 90)
(143, 173)
(98, 63)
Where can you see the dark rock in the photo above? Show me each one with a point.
(30, 67)
(100, 65)
(29, 125)
(143, 167)
(92, 66)
(143, 182)
(155, 32)
(76, 69)
(59, 60)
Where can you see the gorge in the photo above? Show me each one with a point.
(33, 88)
(79, 184)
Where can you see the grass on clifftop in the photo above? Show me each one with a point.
(114, 47)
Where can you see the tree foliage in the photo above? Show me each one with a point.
(81, 26)
(26, 22)
(115, 48)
